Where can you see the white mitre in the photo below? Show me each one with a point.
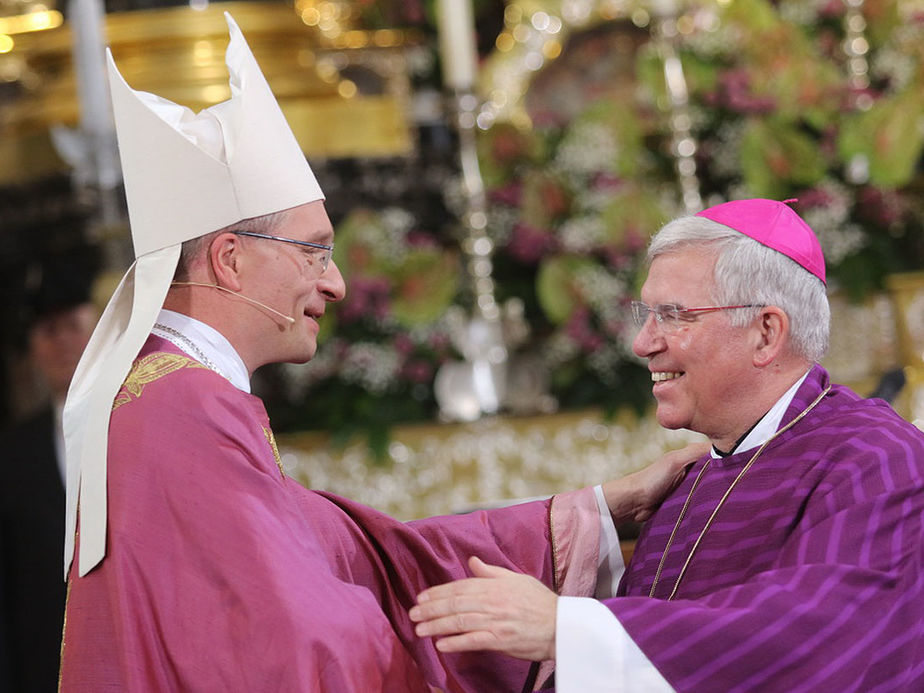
(186, 174)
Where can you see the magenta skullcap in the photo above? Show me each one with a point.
(775, 225)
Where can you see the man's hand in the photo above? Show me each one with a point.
(636, 496)
(495, 610)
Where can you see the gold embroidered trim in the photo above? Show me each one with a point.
(271, 439)
(555, 586)
(148, 369)
(67, 601)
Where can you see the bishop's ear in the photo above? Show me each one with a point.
(773, 332)
(225, 257)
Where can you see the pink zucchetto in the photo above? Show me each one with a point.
(775, 225)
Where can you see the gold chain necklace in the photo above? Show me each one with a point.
(722, 500)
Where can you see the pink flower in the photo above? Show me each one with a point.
(417, 371)
(607, 182)
(404, 345)
(831, 9)
(881, 207)
(509, 194)
(421, 239)
(815, 197)
(734, 92)
(581, 332)
(369, 298)
(439, 342)
(528, 245)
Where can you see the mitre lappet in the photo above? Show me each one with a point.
(186, 174)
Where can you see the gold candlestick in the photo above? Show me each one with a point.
(476, 386)
(683, 143)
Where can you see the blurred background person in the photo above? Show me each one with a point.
(59, 316)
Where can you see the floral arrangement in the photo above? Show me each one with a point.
(774, 113)
(777, 114)
(572, 208)
(572, 203)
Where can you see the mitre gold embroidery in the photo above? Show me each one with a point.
(148, 369)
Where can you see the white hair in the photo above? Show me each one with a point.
(748, 272)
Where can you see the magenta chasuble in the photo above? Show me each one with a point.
(811, 577)
(221, 574)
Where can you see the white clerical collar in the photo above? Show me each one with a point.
(769, 424)
(203, 343)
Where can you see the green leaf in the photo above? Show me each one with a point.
(556, 286)
(701, 74)
(775, 156)
(355, 245)
(889, 135)
(757, 16)
(426, 284)
(632, 216)
(546, 198)
(504, 151)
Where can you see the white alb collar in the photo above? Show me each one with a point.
(209, 342)
(770, 422)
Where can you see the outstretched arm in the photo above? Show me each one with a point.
(498, 609)
(636, 496)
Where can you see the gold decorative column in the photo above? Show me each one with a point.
(907, 292)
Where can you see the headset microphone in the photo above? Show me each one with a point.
(287, 318)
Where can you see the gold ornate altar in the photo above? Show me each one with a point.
(344, 91)
(443, 468)
(907, 292)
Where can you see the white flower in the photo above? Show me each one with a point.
(559, 349)
(803, 12)
(841, 241)
(299, 377)
(830, 222)
(725, 160)
(582, 234)
(602, 290)
(605, 361)
(895, 65)
(587, 148)
(372, 366)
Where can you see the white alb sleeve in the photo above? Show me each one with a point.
(594, 654)
(611, 565)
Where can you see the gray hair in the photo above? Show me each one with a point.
(193, 248)
(747, 271)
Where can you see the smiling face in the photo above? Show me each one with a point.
(703, 371)
(289, 279)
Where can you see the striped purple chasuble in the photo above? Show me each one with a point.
(810, 577)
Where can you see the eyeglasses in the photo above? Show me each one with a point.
(670, 316)
(323, 257)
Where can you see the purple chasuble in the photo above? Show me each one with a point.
(810, 577)
(221, 574)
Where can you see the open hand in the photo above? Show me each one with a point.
(497, 609)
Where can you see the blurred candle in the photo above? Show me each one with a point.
(86, 19)
(456, 24)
